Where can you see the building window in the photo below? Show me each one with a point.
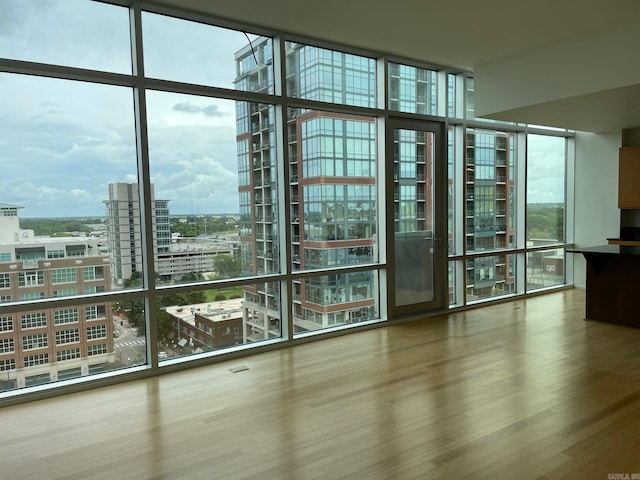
(97, 349)
(67, 354)
(33, 320)
(332, 174)
(6, 345)
(28, 279)
(65, 292)
(69, 315)
(67, 336)
(94, 289)
(7, 364)
(6, 324)
(76, 251)
(412, 89)
(95, 312)
(93, 273)
(63, 275)
(38, 340)
(330, 76)
(30, 296)
(34, 360)
(96, 331)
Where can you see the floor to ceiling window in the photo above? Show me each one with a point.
(210, 189)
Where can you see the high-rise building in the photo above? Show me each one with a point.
(39, 345)
(490, 210)
(124, 235)
(173, 260)
(332, 177)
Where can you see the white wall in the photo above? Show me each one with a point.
(542, 87)
(596, 194)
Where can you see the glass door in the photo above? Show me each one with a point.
(417, 216)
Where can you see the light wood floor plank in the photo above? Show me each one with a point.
(523, 389)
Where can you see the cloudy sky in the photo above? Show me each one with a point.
(545, 176)
(63, 142)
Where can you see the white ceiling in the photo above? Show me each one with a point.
(565, 63)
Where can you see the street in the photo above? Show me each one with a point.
(129, 348)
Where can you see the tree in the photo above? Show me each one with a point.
(134, 309)
(226, 266)
(545, 222)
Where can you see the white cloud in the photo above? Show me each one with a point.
(546, 169)
(64, 141)
(71, 32)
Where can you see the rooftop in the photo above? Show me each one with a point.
(215, 311)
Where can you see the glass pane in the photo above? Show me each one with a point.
(63, 143)
(412, 89)
(490, 276)
(48, 344)
(129, 332)
(545, 189)
(63, 154)
(451, 283)
(470, 103)
(213, 168)
(217, 319)
(545, 268)
(452, 157)
(185, 51)
(333, 300)
(73, 33)
(413, 216)
(332, 165)
(470, 98)
(330, 76)
(452, 106)
(490, 190)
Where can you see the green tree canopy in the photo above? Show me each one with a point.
(134, 309)
(226, 266)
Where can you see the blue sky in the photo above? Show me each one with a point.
(62, 142)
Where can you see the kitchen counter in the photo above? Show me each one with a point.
(611, 249)
(613, 283)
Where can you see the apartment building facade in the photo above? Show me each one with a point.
(41, 345)
(332, 192)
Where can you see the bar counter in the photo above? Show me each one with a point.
(613, 283)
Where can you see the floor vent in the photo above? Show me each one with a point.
(241, 368)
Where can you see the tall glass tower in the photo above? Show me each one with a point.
(332, 186)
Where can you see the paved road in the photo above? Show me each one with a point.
(128, 346)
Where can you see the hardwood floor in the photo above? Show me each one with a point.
(525, 389)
